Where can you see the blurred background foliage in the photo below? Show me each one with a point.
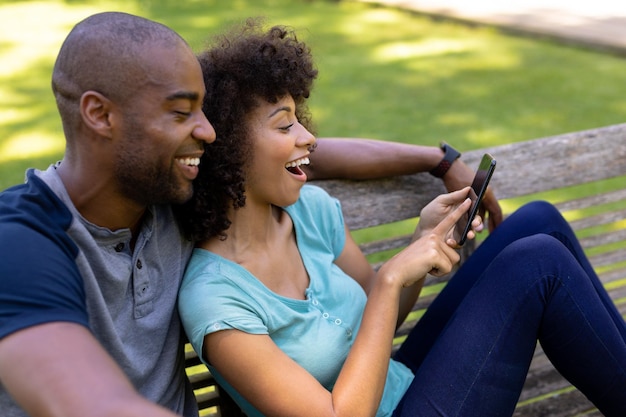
(384, 73)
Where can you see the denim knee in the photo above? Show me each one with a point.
(535, 255)
(540, 210)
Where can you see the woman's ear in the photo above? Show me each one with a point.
(95, 111)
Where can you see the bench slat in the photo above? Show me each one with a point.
(526, 168)
(614, 275)
(567, 404)
(593, 200)
(385, 244)
(599, 219)
(603, 239)
(374, 202)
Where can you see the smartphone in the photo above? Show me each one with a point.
(477, 192)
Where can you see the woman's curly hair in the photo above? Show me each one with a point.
(243, 69)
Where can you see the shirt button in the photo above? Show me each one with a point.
(325, 315)
(139, 264)
(119, 247)
(337, 322)
(315, 302)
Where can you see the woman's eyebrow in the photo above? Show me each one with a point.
(283, 108)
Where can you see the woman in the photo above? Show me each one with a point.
(283, 307)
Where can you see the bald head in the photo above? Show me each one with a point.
(107, 53)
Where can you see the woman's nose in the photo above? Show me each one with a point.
(306, 138)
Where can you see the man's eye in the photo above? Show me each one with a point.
(183, 113)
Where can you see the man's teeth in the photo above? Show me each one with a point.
(189, 161)
(298, 162)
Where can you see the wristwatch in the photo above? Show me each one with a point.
(450, 155)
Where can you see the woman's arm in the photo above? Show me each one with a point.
(353, 262)
(281, 387)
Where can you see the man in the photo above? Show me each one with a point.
(91, 255)
(90, 270)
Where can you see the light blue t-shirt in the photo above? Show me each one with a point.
(317, 332)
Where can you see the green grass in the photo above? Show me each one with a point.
(384, 74)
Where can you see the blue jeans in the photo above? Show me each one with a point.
(528, 281)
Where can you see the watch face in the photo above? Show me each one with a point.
(451, 153)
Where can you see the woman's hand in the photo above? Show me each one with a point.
(433, 213)
(460, 175)
(434, 250)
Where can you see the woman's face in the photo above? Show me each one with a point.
(280, 145)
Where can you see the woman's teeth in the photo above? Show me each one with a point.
(297, 163)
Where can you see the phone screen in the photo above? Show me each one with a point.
(479, 187)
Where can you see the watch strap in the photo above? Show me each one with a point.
(450, 155)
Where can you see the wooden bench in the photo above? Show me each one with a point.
(584, 174)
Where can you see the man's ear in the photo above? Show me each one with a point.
(95, 110)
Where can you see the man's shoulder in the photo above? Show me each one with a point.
(31, 213)
(33, 200)
(40, 277)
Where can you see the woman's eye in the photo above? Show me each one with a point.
(286, 128)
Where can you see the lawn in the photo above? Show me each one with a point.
(384, 74)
